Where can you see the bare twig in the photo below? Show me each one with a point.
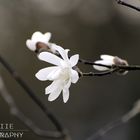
(106, 129)
(122, 2)
(118, 67)
(129, 68)
(17, 113)
(133, 112)
(87, 62)
(33, 96)
(101, 73)
(124, 119)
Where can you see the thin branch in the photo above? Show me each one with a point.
(33, 96)
(124, 119)
(101, 73)
(87, 62)
(133, 112)
(122, 2)
(18, 114)
(129, 68)
(119, 67)
(106, 129)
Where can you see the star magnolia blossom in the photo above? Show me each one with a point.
(106, 60)
(62, 74)
(39, 37)
(109, 60)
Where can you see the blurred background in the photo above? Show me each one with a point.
(86, 27)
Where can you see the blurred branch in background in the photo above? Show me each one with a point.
(62, 132)
(17, 113)
(58, 134)
(124, 119)
(123, 2)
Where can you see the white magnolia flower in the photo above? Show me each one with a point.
(106, 60)
(39, 37)
(62, 74)
(109, 60)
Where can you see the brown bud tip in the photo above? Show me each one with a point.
(40, 47)
(120, 62)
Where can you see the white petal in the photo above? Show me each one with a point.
(101, 68)
(74, 59)
(54, 89)
(53, 86)
(31, 45)
(56, 47)
(107, 57)
(124, 73)
(54, 95)
(65, 94)
(48, 36)
(52, 47)
(74, 76)
(105, 62)
(39, 37)
(36, 35)
(54, 74)
(50, 58)
(68, 84)
(62, 52)
(50, 88)
(44, 73)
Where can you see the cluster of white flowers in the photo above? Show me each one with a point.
(62, 74)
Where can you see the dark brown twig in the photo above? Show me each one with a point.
(119, 67)
(129, 68)
(87, 62)
(101, 73)
(122, 2)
